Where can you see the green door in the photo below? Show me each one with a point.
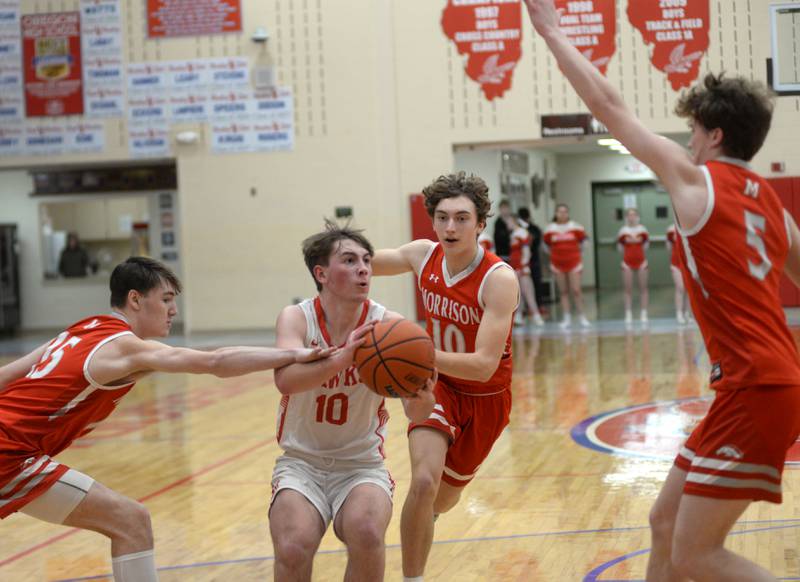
(610, 202)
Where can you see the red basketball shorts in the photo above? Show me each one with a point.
(738, 450)
(472, 423)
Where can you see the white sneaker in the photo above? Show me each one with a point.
(566, 322)
(537, 319)
(628, 318)
(585, 322)
(644, 316)
(681, 319)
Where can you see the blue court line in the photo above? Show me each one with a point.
(592, 576)
(466, 540)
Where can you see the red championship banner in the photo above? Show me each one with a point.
(192, 17)
(51, 56)
(591, 26)
(678, 29)
(489, 33)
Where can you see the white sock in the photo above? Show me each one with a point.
(412, 579)
(138, 567)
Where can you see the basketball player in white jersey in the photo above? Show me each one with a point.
(62, 390)
(330, 426)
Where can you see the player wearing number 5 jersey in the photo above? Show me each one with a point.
(330, 425)
(62, 390)
(736, 239)
(470, 296)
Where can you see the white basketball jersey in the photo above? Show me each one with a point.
(342, 419)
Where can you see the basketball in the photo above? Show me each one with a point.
(396, 359)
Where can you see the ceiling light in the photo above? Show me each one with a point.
(608, 142)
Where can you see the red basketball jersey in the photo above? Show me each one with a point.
(453, 312)
(674, 240)
(733, 263)
(520, 237)
(58, 401)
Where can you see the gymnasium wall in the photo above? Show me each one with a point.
(381, 101)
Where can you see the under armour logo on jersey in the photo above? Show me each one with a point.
(751, 188)
(434, 278)
(729, 451)
(92, 324)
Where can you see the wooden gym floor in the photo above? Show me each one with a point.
(559, 499)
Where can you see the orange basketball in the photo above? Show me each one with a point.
(396, 359)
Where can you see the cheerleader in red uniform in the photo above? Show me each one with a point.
(520, 259)
(682, 312)
(633, 241)
(563, 239)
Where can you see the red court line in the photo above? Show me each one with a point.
(156, 493)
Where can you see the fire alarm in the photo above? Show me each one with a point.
(778, 167)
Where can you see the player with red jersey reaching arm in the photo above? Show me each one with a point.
(736, 239)
(469, 296)
(330, 425)
(633, 240)
(62, 390)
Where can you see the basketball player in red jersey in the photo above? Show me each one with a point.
(736, 239)
(60, 391)
(470, 296)
(330, 425)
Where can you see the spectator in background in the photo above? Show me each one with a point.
(536, 245)
(503, 226)
(74, 261)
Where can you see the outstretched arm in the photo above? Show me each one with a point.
(792, 265)
(299, 377)
(403, 259)
(684, 181)
(500, 295)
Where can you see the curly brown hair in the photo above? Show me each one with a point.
(458, 184)
(741, 108)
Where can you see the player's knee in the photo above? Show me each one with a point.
(139, 528)
(662, 525)
(425, 485)
(365, 536)
(293, 553)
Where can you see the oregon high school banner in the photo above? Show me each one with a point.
(488, 32)
(678, 31)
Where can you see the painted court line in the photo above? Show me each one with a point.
(597, 570)
(156, 493)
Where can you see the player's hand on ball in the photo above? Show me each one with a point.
(420, 406)
(355, 340)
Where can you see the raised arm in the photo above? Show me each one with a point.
(684, 181)
(20, 367)
(403, 259)
(299, 377)
(500, 295)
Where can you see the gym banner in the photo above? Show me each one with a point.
(489, 33)
(678, 31)
(591, 26)
(167, 18)
(51, 57)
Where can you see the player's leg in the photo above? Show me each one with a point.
(662, 527)
(361, 524)
(76, 500)
(644, 292)
(698, 551)
(296, 527)
(299, 514)
(427, 449)
(627, 286)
